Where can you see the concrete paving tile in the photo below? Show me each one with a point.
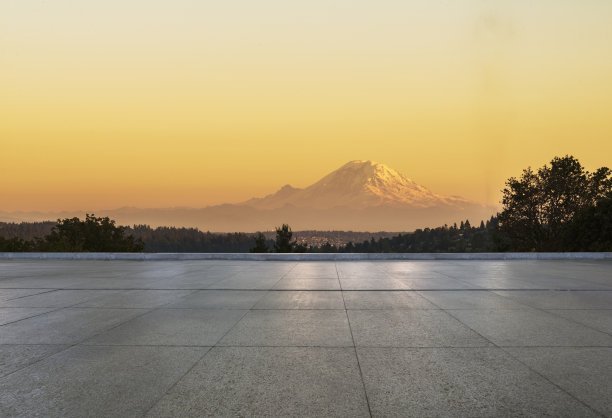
(600, 319)
(583, 372)
(246, 283)
(136, 299)
(417, 267)
(156, 270)
(311, 275)
(597, 278)
(190, 282)
(64, 326)
(435, 284)
(386, 300)
(6, 294)
(530, 328)
(474, 382)
(499, 283)
(410, 328)
(291, 283)
(360, 270)
(367, 275)
(93, 283)
(483, 383)
(468, 299)
(15, 357)
(15, 314)
(382, 283)
(219, 299)
(55, 299)
(96, 381)
(411, 266)
(291, 328)
(259, 272)
(45, 282)
(554, 299)
(301, 300)
(188, 327)
(311, 270)
(418, 275)
(563, 283)
(269, 381)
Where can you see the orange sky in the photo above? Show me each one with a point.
(187, 103)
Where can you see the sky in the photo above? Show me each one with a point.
(147, 103)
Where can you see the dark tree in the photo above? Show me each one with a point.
(260, 244)
(90, 235)
(591, 229)
(15, 244)
(283, 242)
(539, 205)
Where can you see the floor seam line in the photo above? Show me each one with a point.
(365, 392)
(194, 364)
(526, 365)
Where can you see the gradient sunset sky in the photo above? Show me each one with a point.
(190, 103)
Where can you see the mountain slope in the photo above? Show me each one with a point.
(358, 184)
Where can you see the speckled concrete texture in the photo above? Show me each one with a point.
(192, 337)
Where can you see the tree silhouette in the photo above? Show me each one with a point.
(283, 242)
(90, 235)
(539, 205)
(591, 229)
(260, 244)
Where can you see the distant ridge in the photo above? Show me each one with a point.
(361, 195)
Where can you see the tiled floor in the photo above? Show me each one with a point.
(242, 338)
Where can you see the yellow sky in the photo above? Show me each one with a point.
(189, 103)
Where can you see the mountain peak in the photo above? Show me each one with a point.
(357, 184)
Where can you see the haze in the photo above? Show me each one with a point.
(188, 103)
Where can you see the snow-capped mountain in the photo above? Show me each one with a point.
(359, 196)
(358, 184)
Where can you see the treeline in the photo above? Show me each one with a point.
(92, 234)
(26, 230)
(101, 234)
(170, 239)
(190, 240)
(444, 239)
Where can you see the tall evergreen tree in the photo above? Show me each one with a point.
(283, 242)
(260, 244)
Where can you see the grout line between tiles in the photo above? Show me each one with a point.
(365, 392)
(524, 364)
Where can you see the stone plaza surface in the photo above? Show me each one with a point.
(346, 338)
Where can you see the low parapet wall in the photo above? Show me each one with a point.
(306, 256)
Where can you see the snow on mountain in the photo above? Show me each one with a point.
(358, 184)
(359, 196)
